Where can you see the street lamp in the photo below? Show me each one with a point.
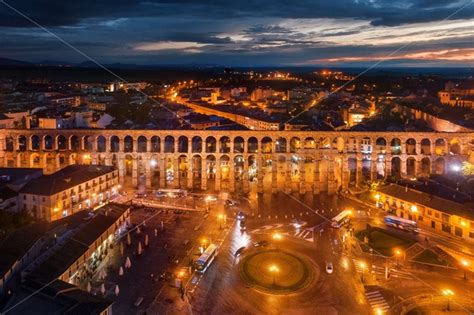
(448, 293)
(274, 270)
(277, 237)
(363, 266)
(465, 265)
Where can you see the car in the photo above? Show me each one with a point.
(329, 268)
(210, 198)
(229, 203)
(239, 251)
(298, 223)
(261, 243)
(243, 226)
(241, 216)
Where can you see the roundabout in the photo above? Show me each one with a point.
(276, 271)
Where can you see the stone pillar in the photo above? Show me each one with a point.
(231, 177)
(288, 175)
(260, 163)
(190, 174)
(331, 183)
(162, 165)
(403, 168)
(176, 145)
(121, 170)
(302, 183)
(359, 174)
(274, 174)
(204, 174)
(245, 177)
(245, 145)
(418, 168)
(345, 173)
(316, 178)
(176, 173)
(190, 145)
(134, 172)
(94, 158)
(148, 173)
(373, 167)
(388, 166)
(95, 144)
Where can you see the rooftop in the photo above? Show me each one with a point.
(428, 200)
(64, 179)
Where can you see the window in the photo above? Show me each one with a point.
(446, 228)
(436, 215)
(471, 234)
(430, 212)
(433, 224)
(24, 197)
(420, 218)
(458, 231)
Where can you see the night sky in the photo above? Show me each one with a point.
(242, 33)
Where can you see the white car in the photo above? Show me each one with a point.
(329, 268)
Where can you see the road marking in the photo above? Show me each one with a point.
(377, 301)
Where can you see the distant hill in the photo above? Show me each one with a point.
(13, 62)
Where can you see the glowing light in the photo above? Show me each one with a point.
(456, 167)
(153, 163)
(414, 208)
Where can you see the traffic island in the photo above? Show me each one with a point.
(276, 271)
(381, 241)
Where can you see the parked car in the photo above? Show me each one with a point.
(241, 216)
(329, 268)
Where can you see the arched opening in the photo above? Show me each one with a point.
(324, 143)
(169, 144)
(74, 141)
(142, 142)
(9, 144)
(101, 144)
(35, 142)
(182, 171)
(196, 145)
(252, 167)
(224, 166)
(396, 146)
(381, 145)
(351, 145)
(454, 146)
(183, 144)
(295, 144)
(425, 166)
(440, 166)
(22, 143)
(396, 167)
(411, 167)
(128, 144)
(35, 160)
(211, 145)
(440, 147)
(155, 144)
(366, 145)
(224, 144)
(238, 145)
(410, 146)
(425, 146)
(211, 170)
(252, 145)
(48, 142)
(338, 144)
(309, 143)
(88, 143)
(267, 145)
(62, 143)
(114, 144)
(197, 169)
(280, 145)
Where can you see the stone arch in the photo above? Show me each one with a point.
(439, 166)
(239, 144)
(210, 166)
(128, 145)
(266, 145)
(101, 144)
(351, 144)
(35, 142)
(381, 145)
(114, 144)
(48, 143)
(155, 144)
(211, 145)
(396, 146)
(411, 167)
(197, 169)
(426, 166)
(196, 146)
(87, 143)
(142, 144)
(281, 145)
(224, 165)
(169, 144)
(396, 167)
(62, 143)
(183, 144)
(252, 167)
(425, 146)
(35, 160)
(9, 144)
(410, 146)
(309, 143)
(22, 143)
(224, 145)
(295, 144)
(440, 147)
(324, 143)
(74, 143)
(455, 146)
(338, 144)
(366, 145)
(252, 145)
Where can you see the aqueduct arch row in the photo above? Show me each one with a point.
(235, 160)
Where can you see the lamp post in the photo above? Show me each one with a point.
(465, 265)
(277, 237)
(363, 266)
(448, 293)
(274, 270)
(221, 218)
(398, 254)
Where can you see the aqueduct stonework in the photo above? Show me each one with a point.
(304, 161)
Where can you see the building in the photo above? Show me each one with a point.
(430, 212)
(70, 190)
(457, 95)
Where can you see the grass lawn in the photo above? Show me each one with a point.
(429, 257)
(383, 242)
